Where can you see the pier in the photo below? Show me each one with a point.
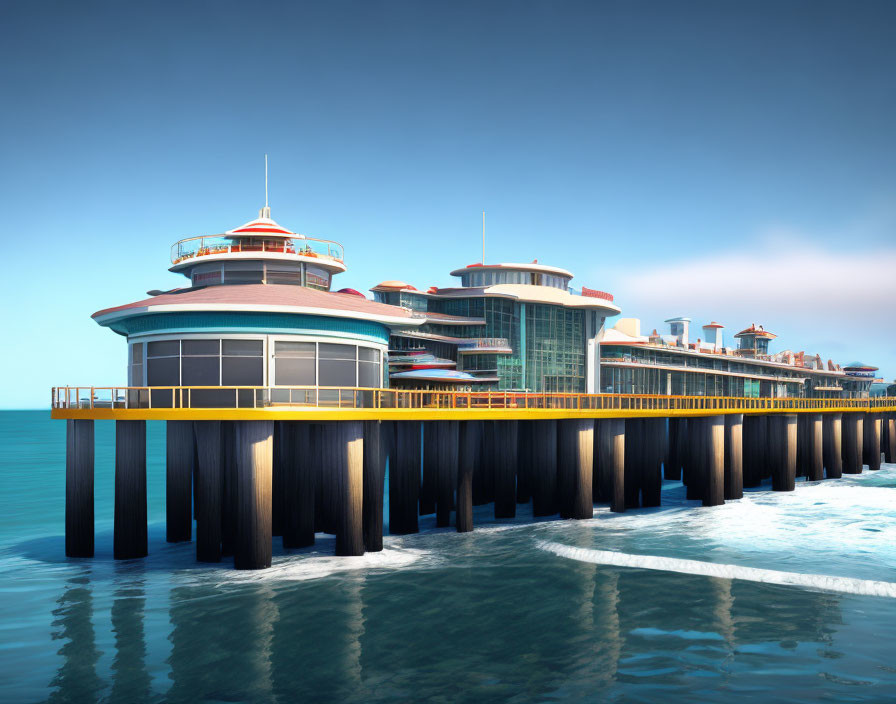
(249, 470)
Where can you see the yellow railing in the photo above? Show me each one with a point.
(271, 397)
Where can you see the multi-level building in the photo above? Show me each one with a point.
(258, 312)
(671, 364)
(509, 326)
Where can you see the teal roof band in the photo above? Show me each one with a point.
(262, 323)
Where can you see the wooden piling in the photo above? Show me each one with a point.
(802, 445)
(376, 435)
(130, 539)
(278, 479)
(695, 471)
(254, 445)
(891, 437)
(872, 440)
(429, 482)
(544, 468)
(653, 453)
(576, 446)
(209, 486)
(178, 480)
(860, 439)
(404, 479)
(672, 465)
(524, 461)
(851, 450)
(345, 449)
(634, 461)
(228, 494)
(714, 461)
(784, 448)
(447, 439)
(612, 461)
(833, 440)
(814, 447)
(504, 459)
(298, 485)
(469, 450)
(79, 512)
(734, 456)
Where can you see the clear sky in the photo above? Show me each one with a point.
(723, 160)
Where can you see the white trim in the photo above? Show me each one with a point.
(334, 265)
(111, 317)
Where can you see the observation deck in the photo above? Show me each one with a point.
(192, 250)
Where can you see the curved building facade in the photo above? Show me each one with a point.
(258, 312)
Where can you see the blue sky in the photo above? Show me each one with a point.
(722, 160)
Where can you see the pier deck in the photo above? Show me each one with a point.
(251, 463)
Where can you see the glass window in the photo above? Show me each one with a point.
(243, 276)
(242, 371)
(336, 365)
(318, 278)
(163, 371)
(196, 348)
(279, 274)
(294, 364)
(242, 348)
(165, 348)
(135, 370)
(367, 354)
(369, 376)
(201, 371)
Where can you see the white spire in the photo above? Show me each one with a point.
(265, 212)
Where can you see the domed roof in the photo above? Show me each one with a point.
(351, 292)
(393, 285)
(262, 225)
(859, 367)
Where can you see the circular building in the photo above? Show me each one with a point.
(258, 312)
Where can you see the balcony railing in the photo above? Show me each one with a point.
(220, 244)
(270, 397)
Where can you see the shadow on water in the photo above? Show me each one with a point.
(76, 680)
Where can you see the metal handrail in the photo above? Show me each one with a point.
(231, 244)
(205, 397)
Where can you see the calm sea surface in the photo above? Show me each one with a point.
(515, 611)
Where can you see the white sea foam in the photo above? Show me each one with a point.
(844, 585)
(299, 568)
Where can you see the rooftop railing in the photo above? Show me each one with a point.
(221, 244)
(269, 397)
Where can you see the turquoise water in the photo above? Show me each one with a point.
(515, 611)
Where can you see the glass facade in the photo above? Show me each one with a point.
(259, 272)
(241, 362)
(646, 370)
(493, 277)
(555, 348)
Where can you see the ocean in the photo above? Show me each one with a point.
(776, 597)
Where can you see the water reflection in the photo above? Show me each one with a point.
(76, 680)
(221, 643)
(489, 626)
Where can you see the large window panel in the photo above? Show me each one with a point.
(336, 365)
(294, 363)
(163, 371)
(242, 363)
(201, 371)
(163, 348)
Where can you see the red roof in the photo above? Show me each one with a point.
(267, 295)
(261, 226)
(713, 324)
(758, 331)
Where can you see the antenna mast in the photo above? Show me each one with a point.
(483, 237)
(266, 181)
